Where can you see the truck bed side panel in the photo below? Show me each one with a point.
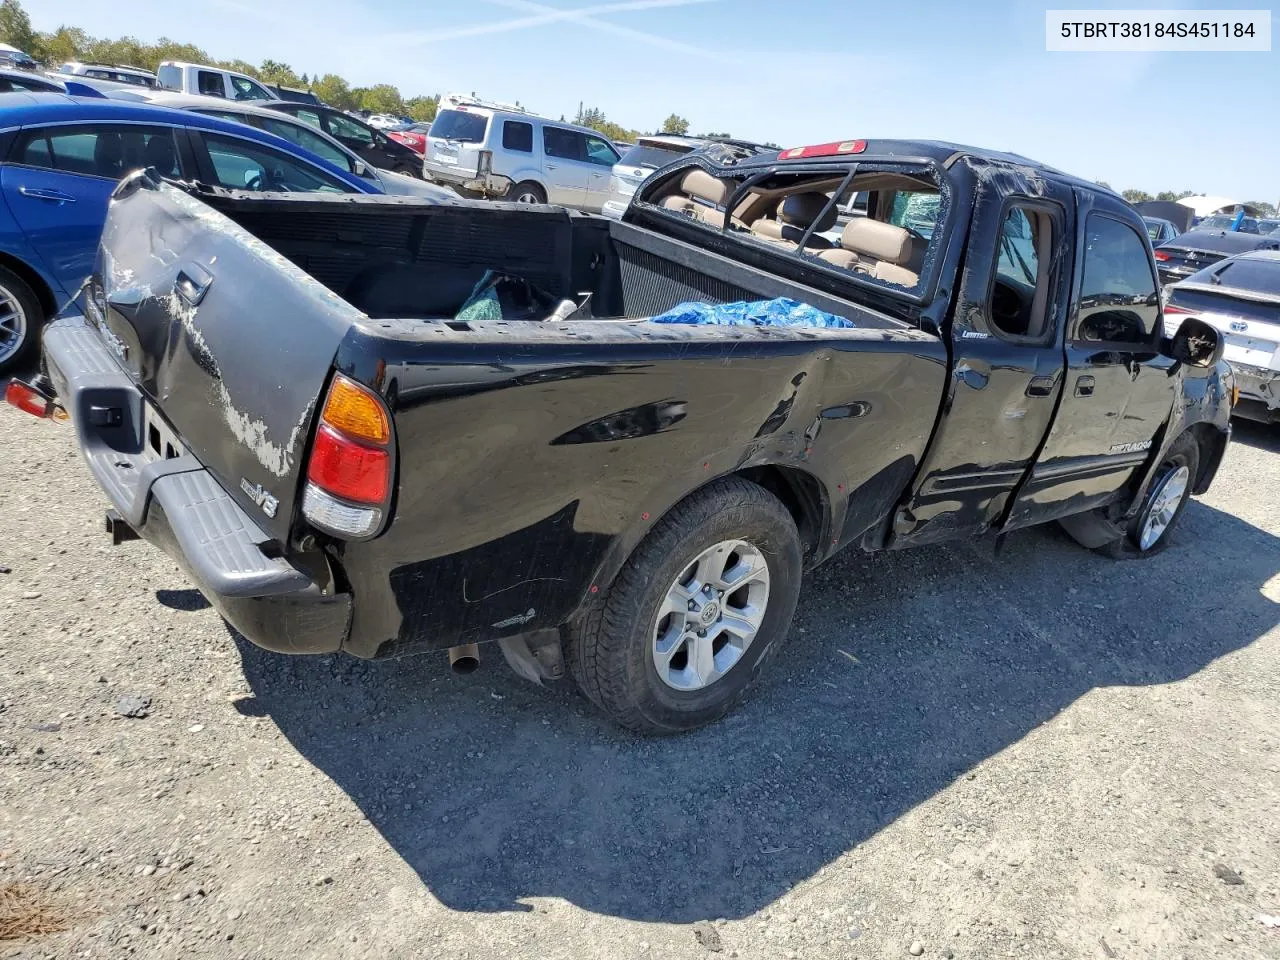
(528, 471)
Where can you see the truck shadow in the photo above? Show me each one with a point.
(903, 672)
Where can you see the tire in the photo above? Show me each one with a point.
(614, 649)
(1180, 467)
(527, 192)
(21, 317)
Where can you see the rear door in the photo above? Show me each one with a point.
(601, 157)
(1006, 347)
(565, 167)
(1119, 388)
(58, 179)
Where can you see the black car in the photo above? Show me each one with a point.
(1201, 247)
(294, 94)
(372, 146)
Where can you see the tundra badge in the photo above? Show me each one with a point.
(1134, 447)
(266, 501)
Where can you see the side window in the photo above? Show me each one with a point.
(599, 152)
(346, 129)
(242, 88)
(1118, 294)
(305, 138)
(563, 144)
(241, 165)
(310, 117)
(210, 83)
(1020, 289)
(517, 135)
(108, 151)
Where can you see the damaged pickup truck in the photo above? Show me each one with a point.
(382, 426)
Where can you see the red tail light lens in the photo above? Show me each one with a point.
(1170, 308)
(348, 469)
(27, 399)
(1161, 256)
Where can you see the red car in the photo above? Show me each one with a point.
(415, 137)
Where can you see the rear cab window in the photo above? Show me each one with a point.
(460, 125)
(210, 84)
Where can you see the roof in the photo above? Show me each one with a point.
(940, 151)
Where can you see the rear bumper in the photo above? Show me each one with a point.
(179, 506)
(1258, 384)
(489, 185)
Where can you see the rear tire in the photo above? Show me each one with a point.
(21, 317)
(683, 631)
(1148, 533)
(527, 192)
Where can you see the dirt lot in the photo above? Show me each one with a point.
(1040, 754)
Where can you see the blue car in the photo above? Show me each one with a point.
(60, 158)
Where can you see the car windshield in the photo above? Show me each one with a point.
(651, 155)
(1153, 228)
(456, 125)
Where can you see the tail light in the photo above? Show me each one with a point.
(1170, 308)
(350, 467)
(485, 165)
(1161, 256)
(30, 400)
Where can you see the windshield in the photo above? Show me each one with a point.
(651, 155)
(456, 125)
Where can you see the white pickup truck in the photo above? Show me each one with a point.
(197, 78)
(1240, 296)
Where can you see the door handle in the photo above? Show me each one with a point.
(597, 176)
(1041, 386)
(192, 283)
(551, 166)
(1084, 386)
(41, 193)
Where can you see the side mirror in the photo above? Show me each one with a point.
(362, 170)
(1197, 344)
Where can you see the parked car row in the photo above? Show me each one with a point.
(61, 156)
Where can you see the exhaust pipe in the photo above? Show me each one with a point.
(464, 658)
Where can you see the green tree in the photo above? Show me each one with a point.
(1103, 183)
(676, 124)
(273, 71)
(423, 108)
(15, 27)
(62, 45)
(1266, 209)
(1135, 196)
(382, 98)
(333, 90)
(1170, 195)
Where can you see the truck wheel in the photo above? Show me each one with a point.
(21, 317)
(1166, 498)
(678, 637)
(527, 192)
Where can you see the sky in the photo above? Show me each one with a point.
(793, 72)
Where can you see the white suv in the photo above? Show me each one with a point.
(502, 152)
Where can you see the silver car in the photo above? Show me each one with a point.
(634, 167)
(502, 152)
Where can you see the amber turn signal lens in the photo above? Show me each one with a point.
(1235, 396)
(356, 411)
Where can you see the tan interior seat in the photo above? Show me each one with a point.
(794, 215)
(876, 248)
(700, 185)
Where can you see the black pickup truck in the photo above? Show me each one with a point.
(285, 394)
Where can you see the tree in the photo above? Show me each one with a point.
(273, 71)
(1170, 195)
(333, 90)
(382, 98)
(1103, 183)
(1264, 209)
(676, 124)
(423, 108)
(15, 27)
(716, 136)
(1135, 196)
(62, 45)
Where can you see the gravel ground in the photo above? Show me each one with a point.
(1038, 754)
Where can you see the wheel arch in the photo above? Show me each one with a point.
(38, 284)
(1212, 441)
